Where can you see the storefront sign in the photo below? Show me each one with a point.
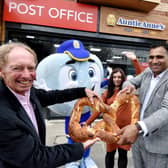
(130, 23)
(140, 24)
(56, 13)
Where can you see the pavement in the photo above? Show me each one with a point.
(56, 135)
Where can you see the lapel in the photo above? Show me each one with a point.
(162, 80)
(37, 108)
(38, 113)
(146, 84)
(22, 114)
(17, 108)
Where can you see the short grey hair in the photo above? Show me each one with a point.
(5, 49)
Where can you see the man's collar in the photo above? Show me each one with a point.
(27, 94)
(160, 75)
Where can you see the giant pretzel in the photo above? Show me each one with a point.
(106, 128)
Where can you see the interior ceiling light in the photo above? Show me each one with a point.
(30, 37)
(95, 49)
(56, 45)
(109, 60)
(116, 57)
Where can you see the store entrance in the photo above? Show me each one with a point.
(108, 52)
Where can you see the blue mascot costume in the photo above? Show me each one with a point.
(71, 66)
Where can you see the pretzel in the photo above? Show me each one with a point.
(106, 128)
(80, 133)
(127, 98)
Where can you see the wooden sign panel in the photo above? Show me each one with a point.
(130, 23)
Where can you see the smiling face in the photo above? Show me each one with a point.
(19, 71)
(80, 74)
(117, 79)
(59, 71)
(158, 60)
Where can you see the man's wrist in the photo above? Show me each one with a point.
(139, 128)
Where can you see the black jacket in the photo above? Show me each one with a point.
(20, 146)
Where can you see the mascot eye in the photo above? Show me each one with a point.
(73, 75)
(91, 72)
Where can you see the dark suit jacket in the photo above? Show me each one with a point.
(20, 145)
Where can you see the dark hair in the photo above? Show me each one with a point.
(163, 44)
(111, 85)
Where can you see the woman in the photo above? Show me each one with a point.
(116, 80)
(123, 118)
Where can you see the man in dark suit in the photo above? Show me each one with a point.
(22, 128)
(150, 149)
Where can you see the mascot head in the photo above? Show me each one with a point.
(72, 66)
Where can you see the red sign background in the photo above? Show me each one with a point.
(55, 13)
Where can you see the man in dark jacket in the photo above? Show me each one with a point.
(22, 127)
